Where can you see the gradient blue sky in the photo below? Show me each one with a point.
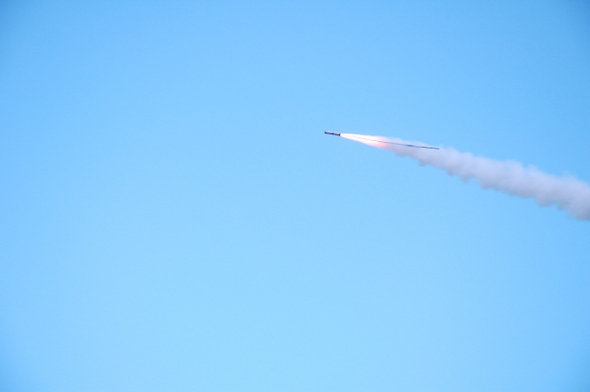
(174, 219)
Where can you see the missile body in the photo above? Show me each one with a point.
(379, 140)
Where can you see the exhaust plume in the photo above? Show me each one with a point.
(567, 193)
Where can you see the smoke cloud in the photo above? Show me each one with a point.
(567, 193)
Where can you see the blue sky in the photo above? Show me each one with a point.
(173, 217)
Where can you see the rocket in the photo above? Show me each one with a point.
(377, 140)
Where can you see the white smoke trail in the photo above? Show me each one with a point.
(567, 193)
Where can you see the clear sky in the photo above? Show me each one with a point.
(174, 219)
